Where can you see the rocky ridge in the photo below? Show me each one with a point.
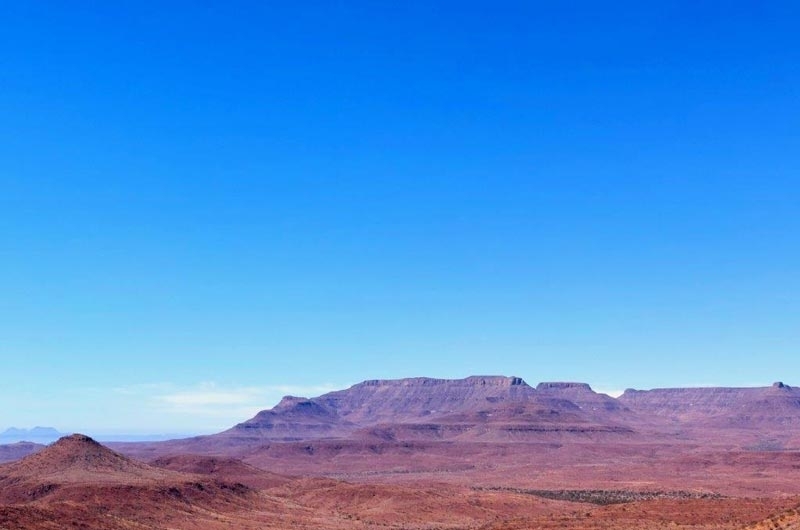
(498, 408)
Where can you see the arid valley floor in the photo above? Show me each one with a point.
(482, 452)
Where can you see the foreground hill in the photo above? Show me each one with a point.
(78, 483)
(76, 480)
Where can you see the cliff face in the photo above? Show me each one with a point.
(582, 395)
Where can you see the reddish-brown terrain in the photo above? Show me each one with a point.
(15, 451)
(481, 452)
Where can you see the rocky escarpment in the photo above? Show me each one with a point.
(754, 408)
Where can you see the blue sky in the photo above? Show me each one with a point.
(204, 207)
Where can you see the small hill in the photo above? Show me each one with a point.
(222, 468)
(15, 451)
(79, 482)
(73, 458)
(78, 460)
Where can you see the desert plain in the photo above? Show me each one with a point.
(484, 452)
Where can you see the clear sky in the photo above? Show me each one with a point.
(207, 205)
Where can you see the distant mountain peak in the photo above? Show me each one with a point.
(35, 430)
(37, 434)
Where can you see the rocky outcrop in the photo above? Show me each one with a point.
(293, 418)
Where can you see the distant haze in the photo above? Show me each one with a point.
(42, 435)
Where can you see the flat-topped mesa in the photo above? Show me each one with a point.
(404, 400)
(711, 394)
(688, 399)
(751, 407)
(377, 401)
